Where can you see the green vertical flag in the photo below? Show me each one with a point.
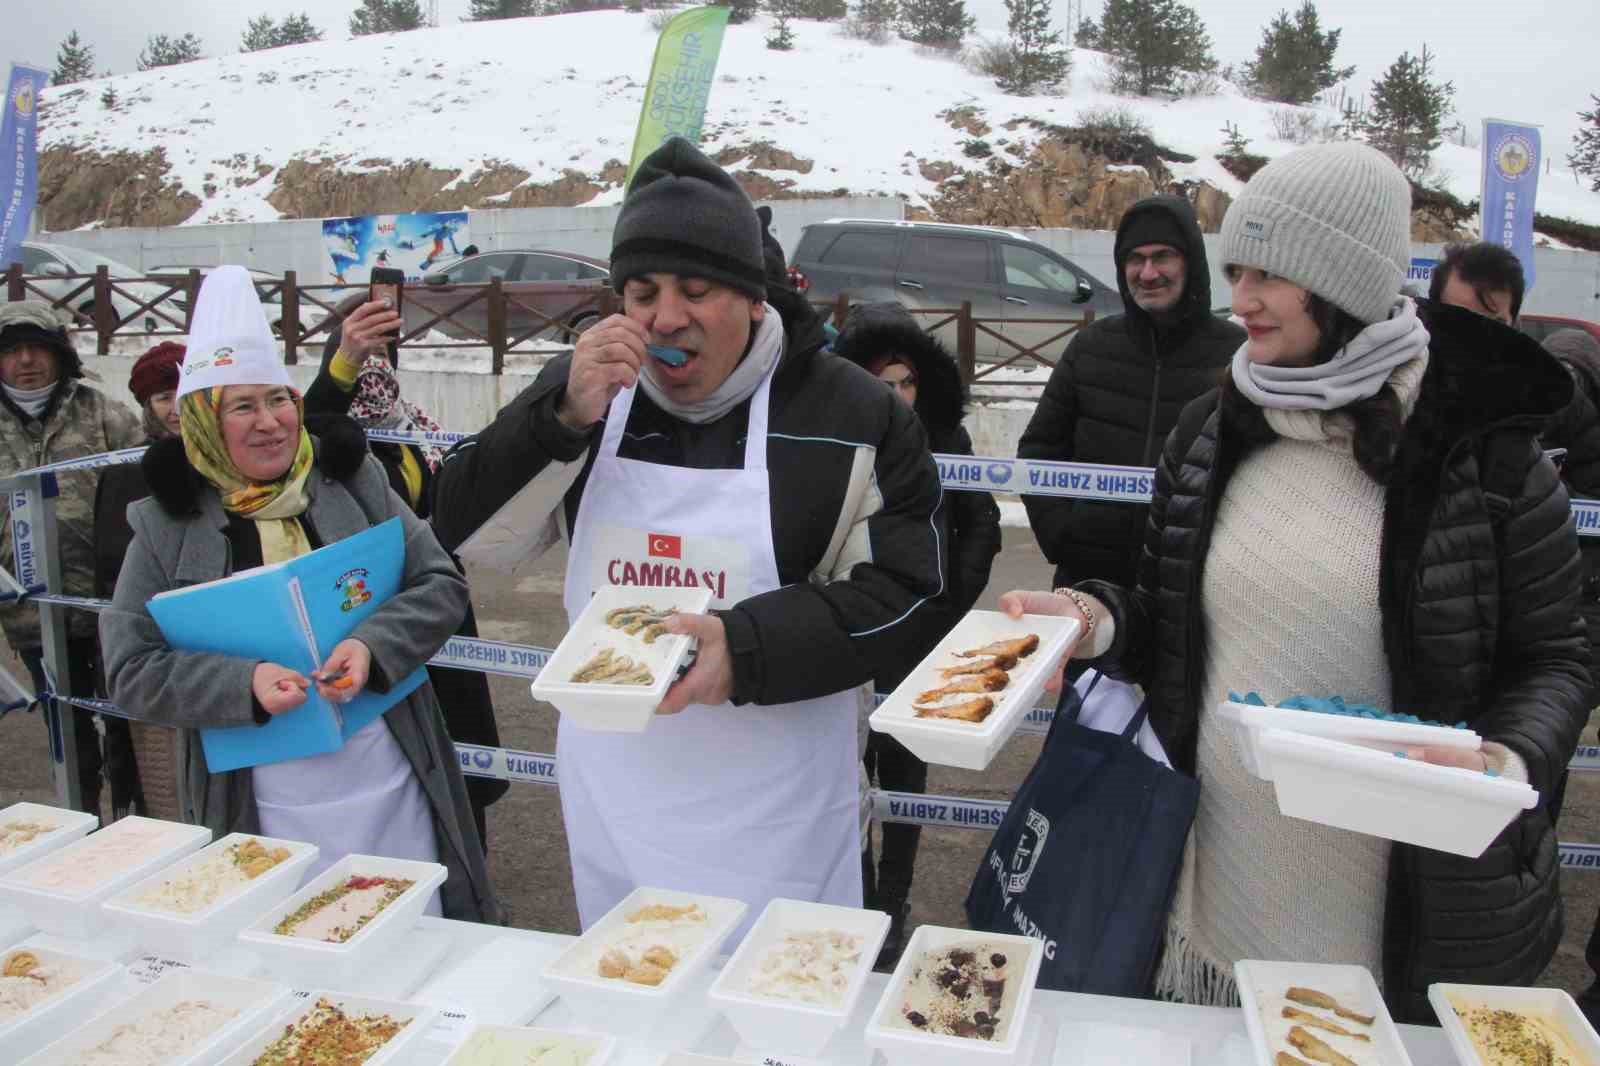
(680, 81)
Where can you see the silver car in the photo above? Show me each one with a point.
(51, 261)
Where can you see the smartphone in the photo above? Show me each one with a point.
(388, 285)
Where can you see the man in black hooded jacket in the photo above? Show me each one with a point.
(1121, 383)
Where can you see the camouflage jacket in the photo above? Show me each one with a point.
(84, 422)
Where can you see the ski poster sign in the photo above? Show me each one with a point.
(417, 244)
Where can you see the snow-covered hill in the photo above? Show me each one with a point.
(558, 94)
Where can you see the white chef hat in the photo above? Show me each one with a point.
(230, 342)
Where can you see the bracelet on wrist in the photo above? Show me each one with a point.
(1081, 602)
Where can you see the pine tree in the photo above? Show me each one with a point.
(490, 10)
(781, 37)
(74, 62)
(1039, 60)
(1151, 43)
(1585, 157)
(108, 97)
(1088, 35)
(876, 17)
(163, 51)
(264, 33)
(260, 34)
(385, 16)
(741, 10)
(1408, 109)
(940, 23)
(1294, 61)
(298, 29)
(823, 10)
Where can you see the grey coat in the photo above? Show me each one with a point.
(174, 547)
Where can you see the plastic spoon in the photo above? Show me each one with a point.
(670, 356)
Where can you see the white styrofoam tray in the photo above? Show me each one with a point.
(254, 1000)
(314, 963)
(790, 1027)
(1250, 722)
(494, 984)
(600, 1047)
(23, 1035)
(418, 1019)
(203, 932)
(910, 1047)
(71, 826)
(78, 914)
(617, 708)
(1554, 1004)
(1261, 992)
(689, 1058)
(1382, 795)
(620, 1006)
(973, 746)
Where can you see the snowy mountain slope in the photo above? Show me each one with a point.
(562, 93)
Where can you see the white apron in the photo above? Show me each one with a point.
(360, 800)
(752, 802)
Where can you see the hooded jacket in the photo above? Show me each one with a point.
(970, 520)
(1480, 623)
(1114, 396)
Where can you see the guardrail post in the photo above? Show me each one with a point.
(966, 342)
(191, 288)
(497, 327)
(15, 289)
(105, 315)
(289, 318)
(841, 309)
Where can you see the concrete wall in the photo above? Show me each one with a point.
(297, 244)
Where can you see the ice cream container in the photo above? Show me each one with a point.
(973, 745)
(610, 707)
(1262, 992)
(791, 1026)
(624, 1007)
(1384, 795)
(510, 1037)
(200, 933)
(61, 893)
(418, 1019)
(306, 963)
(1552, 1005)
(70, 826)
(904, 1046)
(26, 1033)
(1251, 722)
(253, 1000)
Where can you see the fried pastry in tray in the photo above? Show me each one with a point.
(1310, 997)
(1315, 1050)
(989, 681)
(974, 710)
(1017, 648)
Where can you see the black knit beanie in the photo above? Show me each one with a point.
(685, 215)
(1148, 223)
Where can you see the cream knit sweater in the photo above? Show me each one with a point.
(1290, 595)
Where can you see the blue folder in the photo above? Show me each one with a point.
(293, 614)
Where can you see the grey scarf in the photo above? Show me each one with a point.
(1358, 371)
(764, 353)
(31, 402)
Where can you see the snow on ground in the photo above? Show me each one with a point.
(563, 92)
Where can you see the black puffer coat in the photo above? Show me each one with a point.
(1480, 622)
(970, 520)
(1577, 429)
(1113, 398)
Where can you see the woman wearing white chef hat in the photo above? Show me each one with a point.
(243, 486)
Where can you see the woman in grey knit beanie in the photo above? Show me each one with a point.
(1361, 510)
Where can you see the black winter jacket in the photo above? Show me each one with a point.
(1480, 622)
(1577, 429)
(970, 521)
(1113, 398)
(854, 496)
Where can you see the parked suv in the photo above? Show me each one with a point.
(933, 265)
(537, 278)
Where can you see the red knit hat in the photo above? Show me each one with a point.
(156, 371)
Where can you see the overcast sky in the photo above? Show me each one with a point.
(1539, 67)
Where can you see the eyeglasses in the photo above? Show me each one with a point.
(1160, 260)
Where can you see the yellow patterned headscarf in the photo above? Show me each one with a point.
(275, 506)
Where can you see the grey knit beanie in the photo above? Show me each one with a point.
(685, 215)
(36, 322)
(1332, 218)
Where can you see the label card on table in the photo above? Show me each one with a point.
(452, 1026)
(146, 969)
(745, 1053)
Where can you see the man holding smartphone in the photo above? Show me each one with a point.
(704, 434)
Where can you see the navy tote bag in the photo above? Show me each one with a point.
(1088, 856)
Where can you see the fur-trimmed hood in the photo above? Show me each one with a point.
(340, 447)
(877, 329)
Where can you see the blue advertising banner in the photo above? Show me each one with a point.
(19, 169)
(1511, 158)
(417, 244)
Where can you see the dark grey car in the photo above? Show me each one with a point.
(935, 265)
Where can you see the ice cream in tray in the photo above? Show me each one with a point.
(966, 698)
(618, 660)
